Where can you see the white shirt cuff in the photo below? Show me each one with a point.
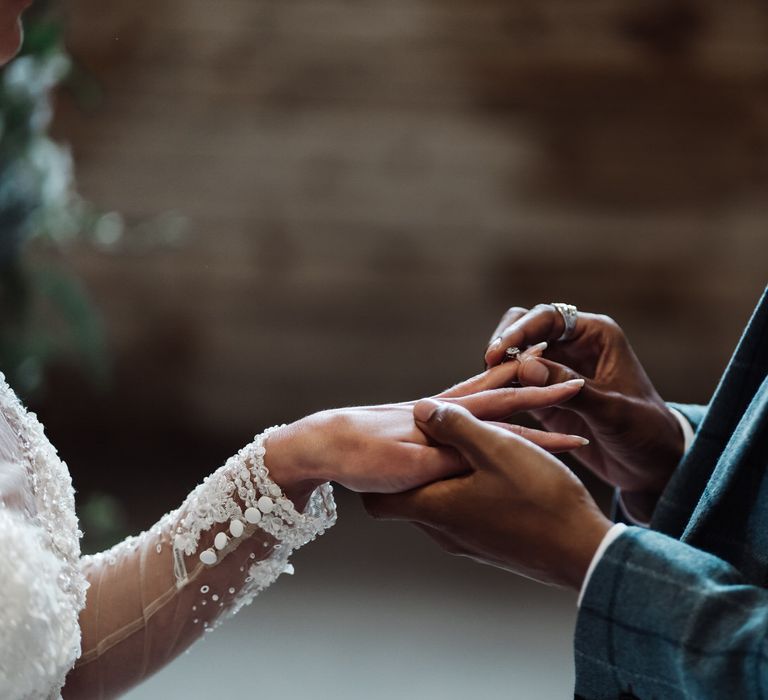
(610, 536)
(686, 427)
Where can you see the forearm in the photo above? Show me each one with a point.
(136, 619)
(152, 596)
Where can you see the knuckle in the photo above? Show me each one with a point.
(446, 417)
(608, 323)
(559, 375)
(516, 311)
(614, 333)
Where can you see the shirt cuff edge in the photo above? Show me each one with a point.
(608, 539)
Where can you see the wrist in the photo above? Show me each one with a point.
(640, 497)
(589, 535)
(639, 506)
(290, 463)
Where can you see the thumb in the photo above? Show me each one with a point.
(452, 425)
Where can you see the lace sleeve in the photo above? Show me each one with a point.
(153, 595)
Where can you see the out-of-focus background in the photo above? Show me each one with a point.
(297, 204)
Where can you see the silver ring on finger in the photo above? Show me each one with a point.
(512, 354)
(570, 315)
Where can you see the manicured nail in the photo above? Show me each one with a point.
(582, 440)
(575, 382)
(534, 372)
(494, 345)
(537, 349)
(425, 409)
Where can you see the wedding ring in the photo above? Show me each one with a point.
(570, 314)
(512, 354)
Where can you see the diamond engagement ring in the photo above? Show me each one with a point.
(512, 354)
(570, 314)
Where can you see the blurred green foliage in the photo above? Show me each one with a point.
(45, 315)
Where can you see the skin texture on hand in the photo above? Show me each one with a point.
(380, 449)
(517, 508)
(636, 442)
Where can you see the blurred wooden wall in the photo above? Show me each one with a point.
(367, 185)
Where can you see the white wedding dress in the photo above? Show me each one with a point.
(105, 622)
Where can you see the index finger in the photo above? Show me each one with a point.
(493, 378)
(496, 404)
(509, 317)
(543, 323)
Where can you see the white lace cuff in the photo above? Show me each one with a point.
(242, 498)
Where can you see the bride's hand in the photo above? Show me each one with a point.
(380, 449)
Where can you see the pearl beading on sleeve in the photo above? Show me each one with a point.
(231, 538)
(237, 500)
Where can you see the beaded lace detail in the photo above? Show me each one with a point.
(43, 575)
(243, 495)
(44, 589)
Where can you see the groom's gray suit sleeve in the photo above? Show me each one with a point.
(662, 619)
(685, 614)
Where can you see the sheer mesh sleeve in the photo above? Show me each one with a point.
(153, 595)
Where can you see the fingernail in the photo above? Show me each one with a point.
(537, 349)
(582, 440)
(425, 409)
(534, 372)
(494, 345)
(575, 382)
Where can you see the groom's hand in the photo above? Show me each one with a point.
(636, 442)
(518, 508)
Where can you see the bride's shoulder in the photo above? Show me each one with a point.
(22, 425)
(43, 588)
(22, 434)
